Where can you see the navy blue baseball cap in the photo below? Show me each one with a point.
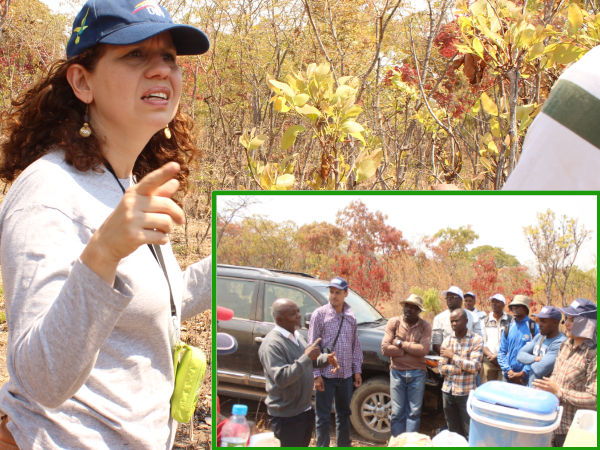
(125, 22)
(339, 283)
(549, 312)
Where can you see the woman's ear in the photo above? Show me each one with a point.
(77, 76)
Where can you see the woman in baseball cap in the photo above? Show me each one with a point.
(574, 379)
(95, 151)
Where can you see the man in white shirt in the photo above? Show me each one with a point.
(441, 327)
(493, 327)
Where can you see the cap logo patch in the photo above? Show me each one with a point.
(151, 6)
(81, 28)
(575, 304)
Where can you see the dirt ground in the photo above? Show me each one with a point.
(431, 421)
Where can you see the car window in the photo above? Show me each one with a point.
(305, 302)
(237, 295)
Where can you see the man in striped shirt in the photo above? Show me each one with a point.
(461, 354)
(335, 324)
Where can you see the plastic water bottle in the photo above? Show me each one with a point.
(236, 431)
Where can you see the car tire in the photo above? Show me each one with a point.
(371, 408)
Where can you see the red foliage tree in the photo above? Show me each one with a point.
(372, 244)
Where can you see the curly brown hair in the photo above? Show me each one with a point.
(50, 115)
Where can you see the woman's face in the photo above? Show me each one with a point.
(136, 88)
(569, 326)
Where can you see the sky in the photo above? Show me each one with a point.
(497, 219)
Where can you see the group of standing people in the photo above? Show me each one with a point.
(471, 346)
(475, 347)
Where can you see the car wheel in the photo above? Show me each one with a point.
(371, 407)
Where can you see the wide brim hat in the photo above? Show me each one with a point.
(414, 299)
(126, 22)
(521, 300)
(581, 307)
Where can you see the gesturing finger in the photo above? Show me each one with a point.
(152, 183)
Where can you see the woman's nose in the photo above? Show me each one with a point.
(158, 67)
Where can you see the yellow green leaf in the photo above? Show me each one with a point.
(344, 92)
(280, 104)
(536, 51)
(478, 47)
(280, 88)
(257, 141)
(301, 99)
(289, 137)
(322, 70)
(308, 110)
(350, 127)
(368, 166)
(352, 112)
(284, 182)
(489, 106)
(575, 18)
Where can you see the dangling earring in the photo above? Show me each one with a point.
(167, 132)
(85, 131)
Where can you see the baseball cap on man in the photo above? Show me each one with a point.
(549, 312)
(581, 307)
(125, 22)
(522, 300)
(472, 294)
(454, 290)
(339, 283)
(498, 297)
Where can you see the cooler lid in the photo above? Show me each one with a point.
(516, 396)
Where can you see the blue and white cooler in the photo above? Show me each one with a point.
(510, 415)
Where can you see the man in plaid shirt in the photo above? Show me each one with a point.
(335, 324)
(461, 359)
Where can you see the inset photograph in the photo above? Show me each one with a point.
(410, 319)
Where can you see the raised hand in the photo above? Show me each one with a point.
(313, 350)
(145, 215)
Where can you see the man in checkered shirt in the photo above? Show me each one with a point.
(461, 354)
(335, 324)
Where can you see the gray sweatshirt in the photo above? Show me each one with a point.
(90, 364)
(288, 373)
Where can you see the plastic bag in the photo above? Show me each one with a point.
(447, 438)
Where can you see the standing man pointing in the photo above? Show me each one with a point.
(288, 364)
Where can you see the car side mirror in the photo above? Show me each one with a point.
(307, 319)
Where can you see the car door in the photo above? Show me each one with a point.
(239, 295)
(271, 292)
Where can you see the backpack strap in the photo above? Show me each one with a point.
(532, 328)
(507, 325)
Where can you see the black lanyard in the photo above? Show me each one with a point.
(155, 249)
